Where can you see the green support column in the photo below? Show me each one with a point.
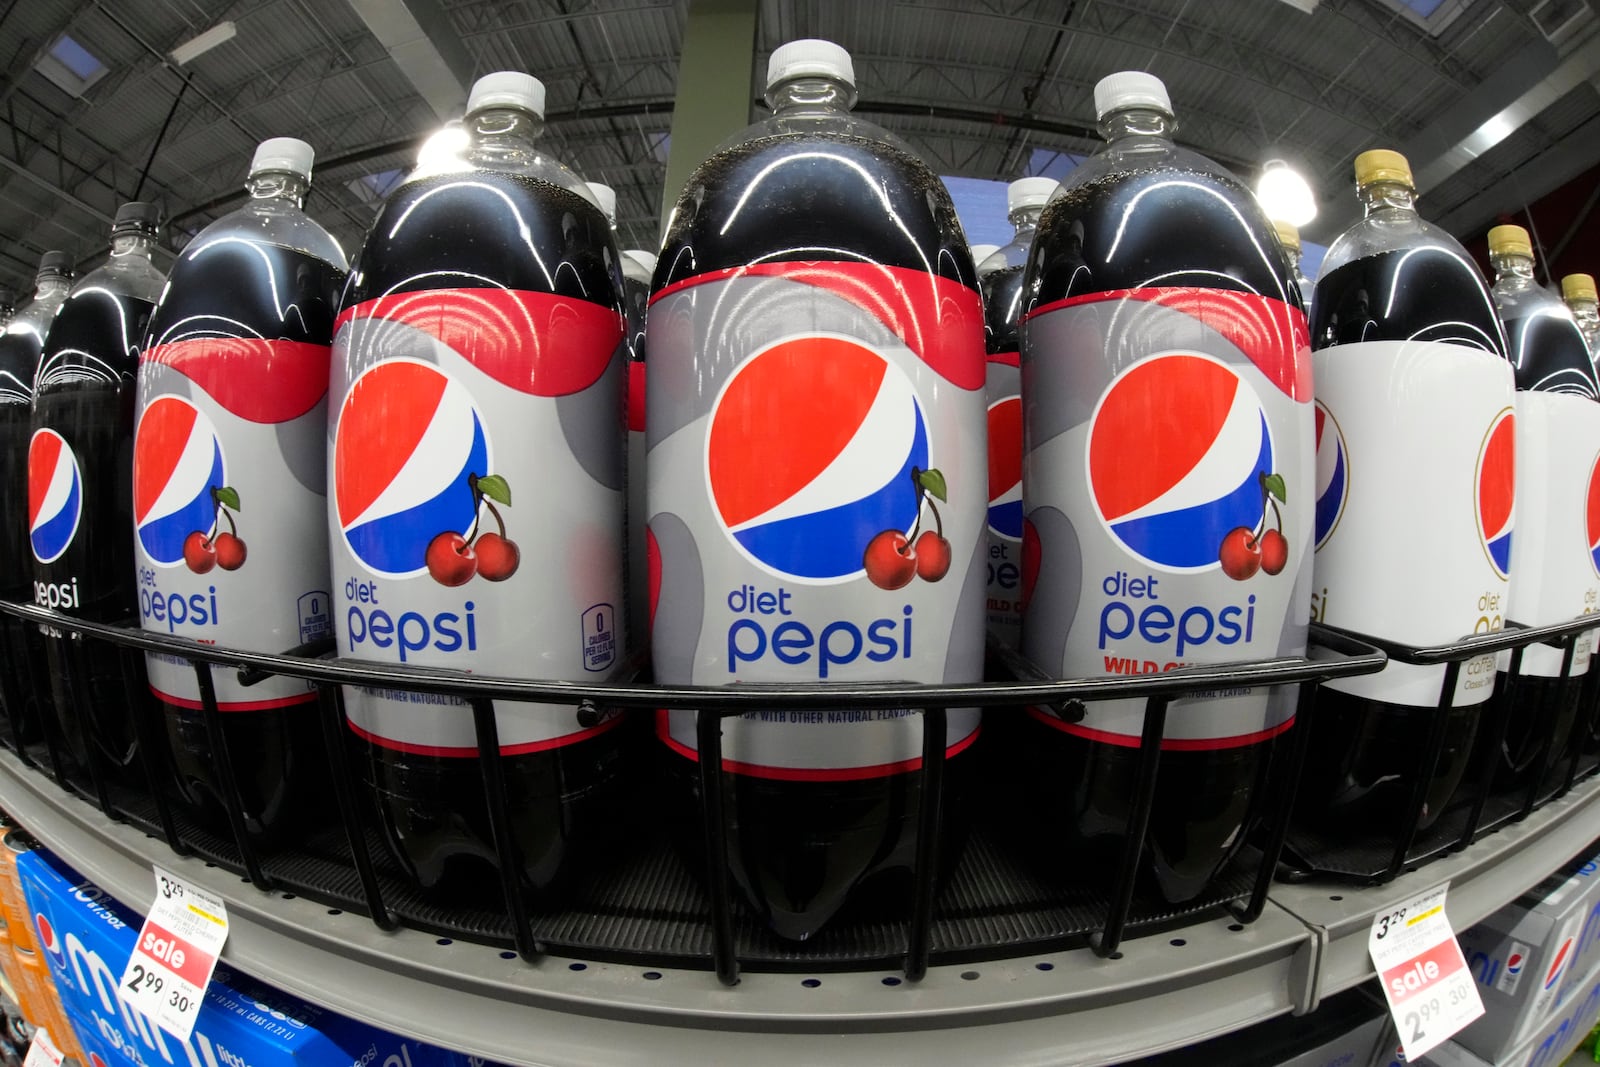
(715, 76)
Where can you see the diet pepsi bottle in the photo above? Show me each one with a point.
(816, 483)
(637, 269)
(1578, 292)
(20, 347)
(1289, 238)
(1415, 440)
(80, 465)
(1554, 554)
(475, 454)
(1000, 282)
(228, 487)
(1166, 383)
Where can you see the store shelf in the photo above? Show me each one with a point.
(1493, 871)
(1071, 1007)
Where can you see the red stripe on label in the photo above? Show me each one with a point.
(939, 319)
(636, 396)
(1273, 335)
(195, 967)
(805, 774)
(471, 751)
(536, 343)
(1169, 744)
(1009, 359)
(261, 381)
(237, 705)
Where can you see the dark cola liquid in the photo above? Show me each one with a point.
(565, 804)
(1364, 757)
(1161, 228)
(254, 290)
(1002, 301)
(26, 687)
(802, 850)
(85, 392)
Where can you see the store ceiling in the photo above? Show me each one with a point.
(1493, 111)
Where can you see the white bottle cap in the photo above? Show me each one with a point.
(1131, 88)
(284, 153)
(647, 260)
(1029, 192)
(606, 197)
(507, 88)
(800, 58)
(983, 252)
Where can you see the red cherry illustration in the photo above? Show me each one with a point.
(1274, 551)
(230, 551)
(1240, 553)
(889, 560)
(199, 554)
(933, 556)
(498, 556)
(451, 561)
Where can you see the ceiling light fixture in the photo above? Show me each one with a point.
(1285, 195)
(199, 45)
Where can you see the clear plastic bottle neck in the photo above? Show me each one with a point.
(1026, 221)
(1137, 122)
(136, 245)
(815, 94)
(1388, 196)
(1512, 271)
(504, 136)
(51, 285)
(278, 185)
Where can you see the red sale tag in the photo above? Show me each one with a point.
(1424, 976)
(173, 958)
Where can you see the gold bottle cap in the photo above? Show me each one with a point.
(1578, 287)
(1510, 241)
(1288, 233)
(1382, 165)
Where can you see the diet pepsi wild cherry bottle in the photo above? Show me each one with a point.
(1289, 238)
(1001, 285)
(1166, 383)
(228, 487)
(638, 267)
(816, 485)
(475, 456)
(1579, 294)
(80, 493)
(1554, 554)
(1415, 438)
(21, 345)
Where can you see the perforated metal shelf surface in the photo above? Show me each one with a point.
(1067, 1007)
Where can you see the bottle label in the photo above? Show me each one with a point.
(1003, 388)
(1415, 477)
(227, 492)
(1168, 481)
(476, 521)
(1558, 522)
(816, 500)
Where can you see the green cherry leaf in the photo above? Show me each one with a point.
(1275, 486)
(932, 481)
(228, 497)
(495, 488)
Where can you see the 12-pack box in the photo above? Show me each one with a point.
(243, 1023)
(1548, 1046)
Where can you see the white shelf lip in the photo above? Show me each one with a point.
(1081, 1010)
(1483, 877)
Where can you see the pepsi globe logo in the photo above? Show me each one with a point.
(55, 495)
(181, 497)
(1592, 515)
(1180, 468)
(1495, 495)
(1514, 963)
(412, 477)
(1005, 468)
(1333, 474)
(47, 936)
(817, 464)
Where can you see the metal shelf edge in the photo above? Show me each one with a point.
(466, 997)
